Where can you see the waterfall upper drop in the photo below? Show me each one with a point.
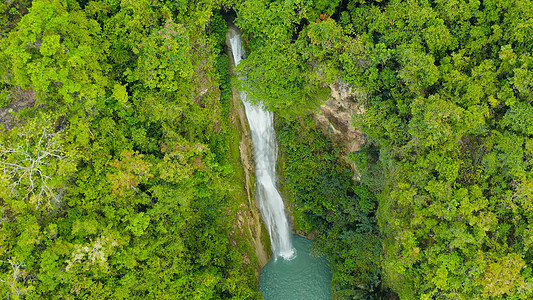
(265, 152)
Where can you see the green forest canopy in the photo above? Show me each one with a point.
(447, 113)
(113, 182)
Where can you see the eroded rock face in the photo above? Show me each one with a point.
(249, 219)
(251, 216)
(335, 120)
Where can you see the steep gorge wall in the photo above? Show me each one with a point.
(335, 120)
(250, 221)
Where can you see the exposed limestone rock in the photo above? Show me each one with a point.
(335, 120)
(253, 220)
(250, 221)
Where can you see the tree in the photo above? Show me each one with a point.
(56, 49)
(35, 165)
(164, 59)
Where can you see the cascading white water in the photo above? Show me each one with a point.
(265, 152)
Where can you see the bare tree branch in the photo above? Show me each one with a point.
(24, 167)
(15, 286)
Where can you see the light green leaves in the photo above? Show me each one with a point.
(164, 60)
(112, 173)
(120, 93)
(502, 275)
(519, 118)
(138, 223)
(418, 69)
(50, 45)
(57, 52)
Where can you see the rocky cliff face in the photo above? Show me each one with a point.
(335, 120)
(250, 222)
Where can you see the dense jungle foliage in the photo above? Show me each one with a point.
(324, 201)
(119, 180)
(446, 90)
(116, 178)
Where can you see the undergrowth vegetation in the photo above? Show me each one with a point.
(326, 201)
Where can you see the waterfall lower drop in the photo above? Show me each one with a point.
(265, 152)
(294, 277)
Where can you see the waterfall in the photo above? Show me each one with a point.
(265, 152)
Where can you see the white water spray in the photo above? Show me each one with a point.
(265, 151)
